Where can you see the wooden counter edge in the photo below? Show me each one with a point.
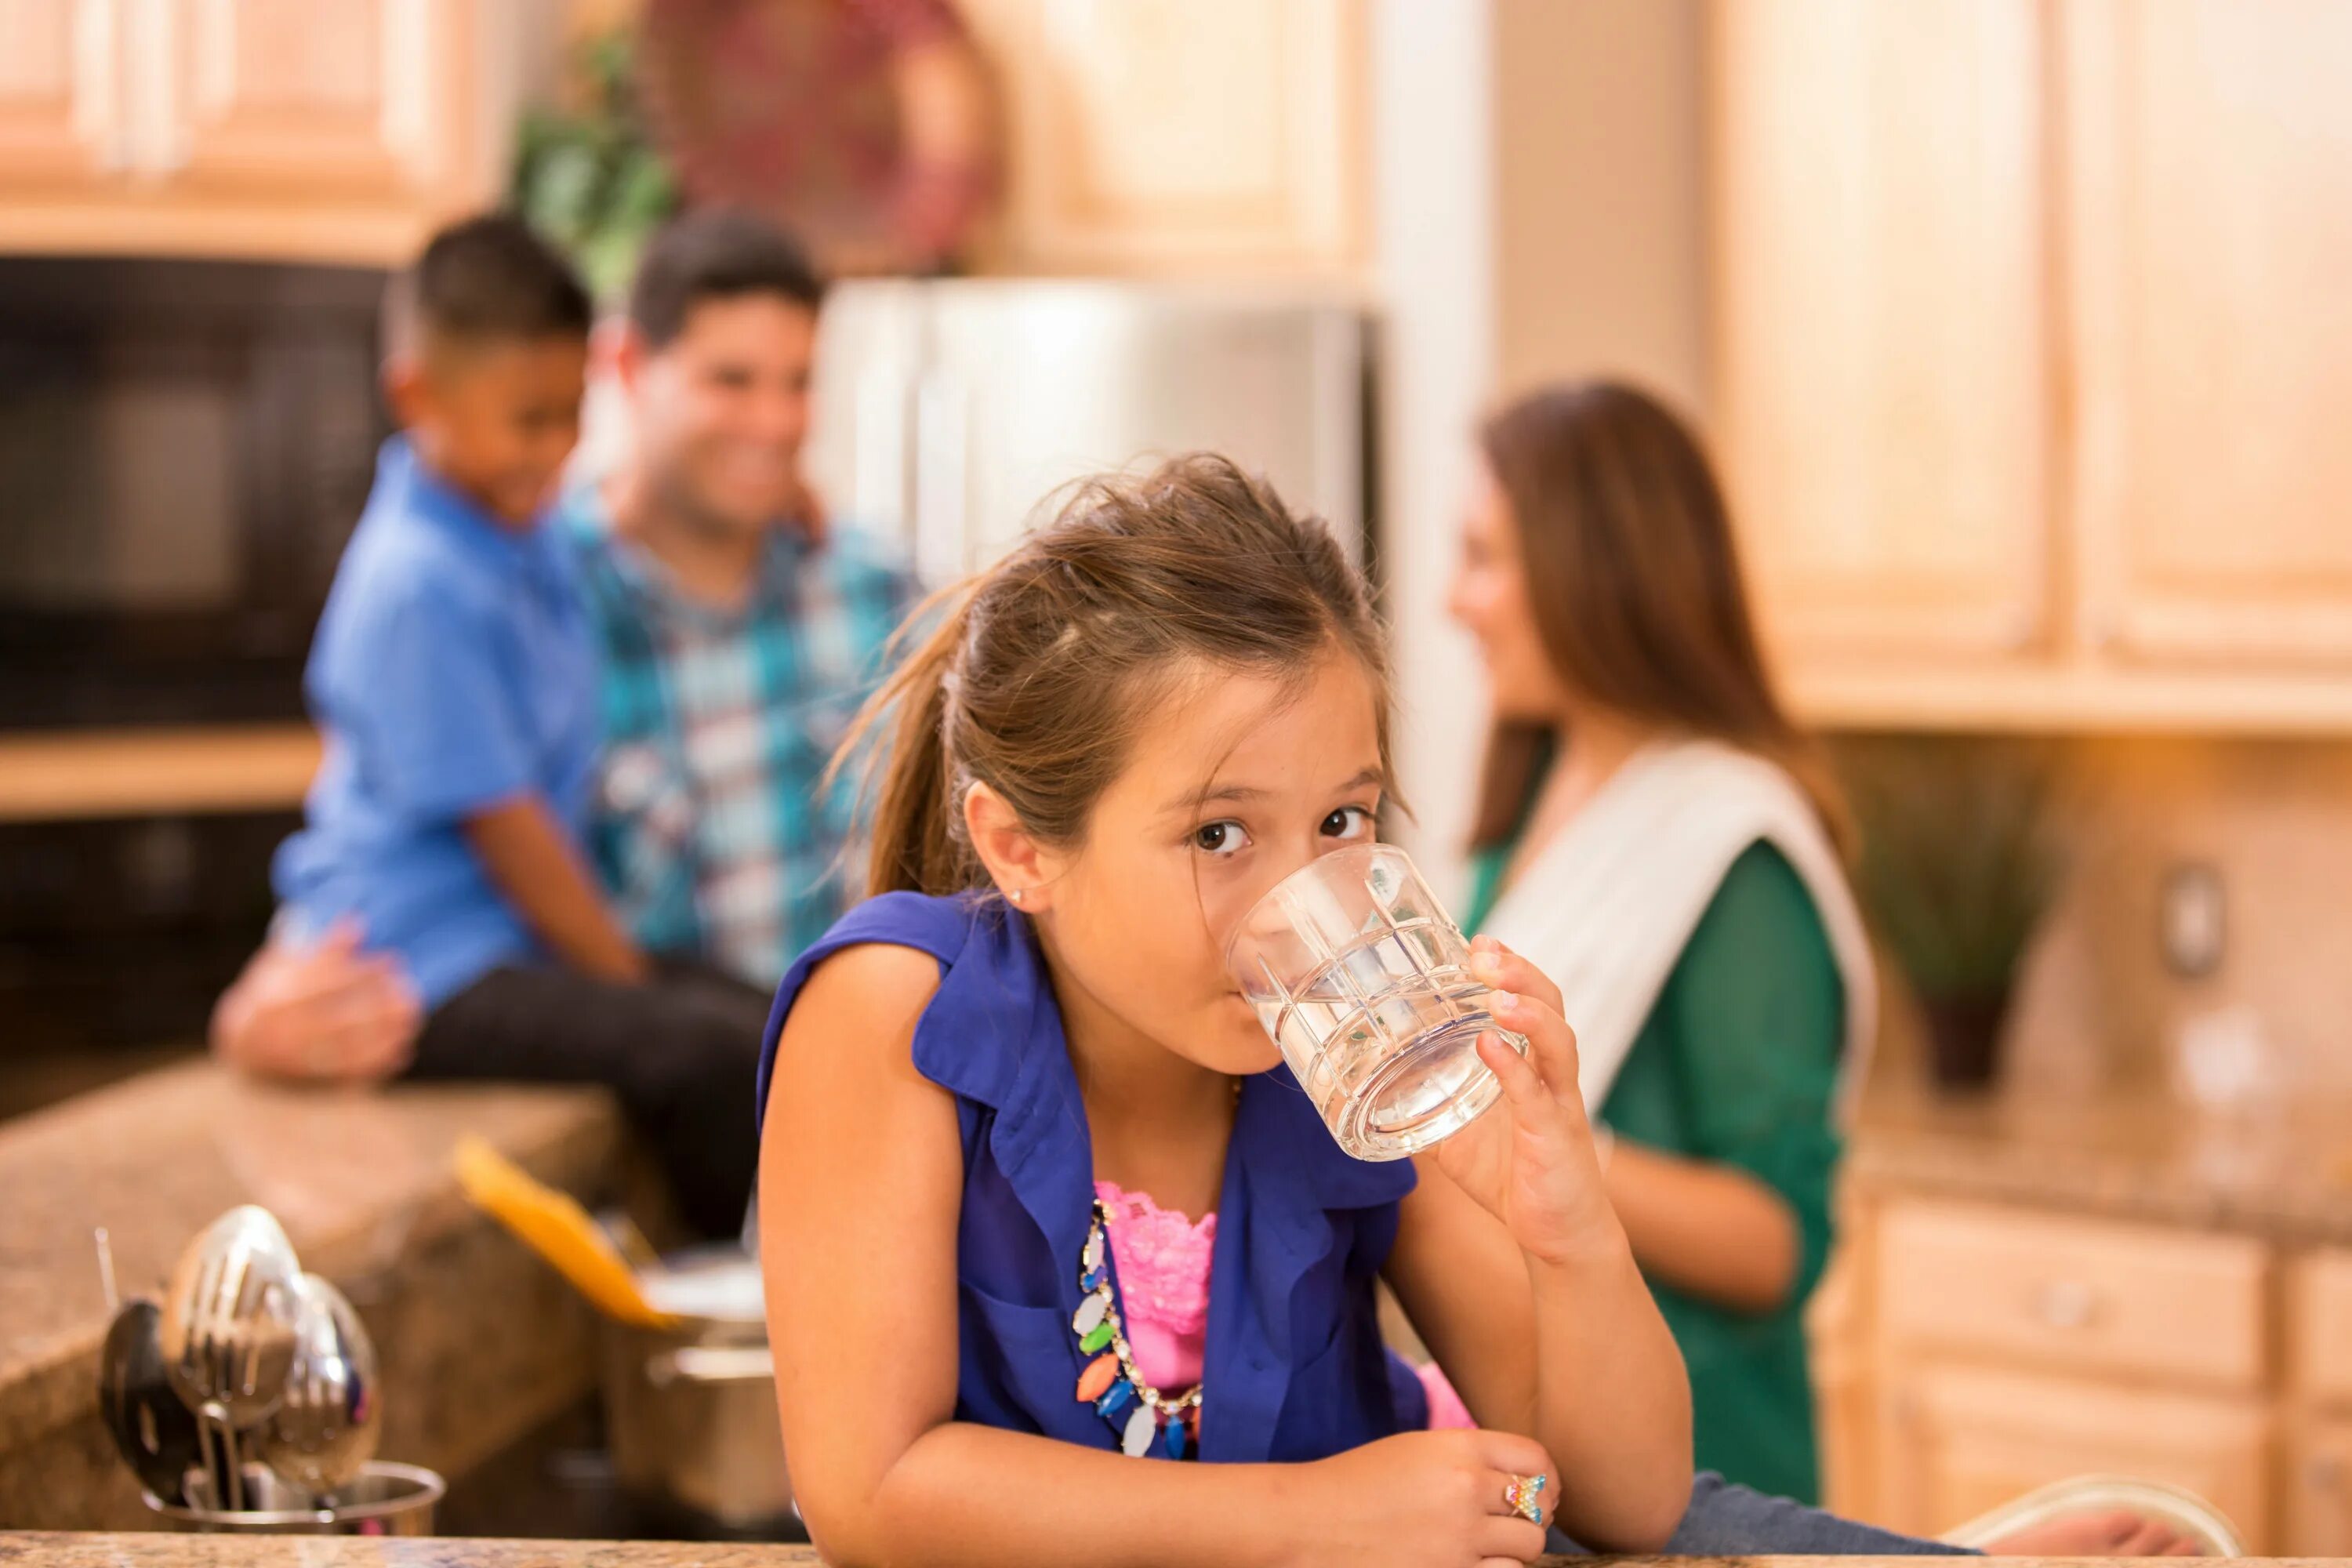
(66, 775)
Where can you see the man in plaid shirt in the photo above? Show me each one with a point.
(738, 636)
(715, 835)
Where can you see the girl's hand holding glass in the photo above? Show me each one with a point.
(1532, 1160)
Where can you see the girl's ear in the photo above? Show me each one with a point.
(1023, 869)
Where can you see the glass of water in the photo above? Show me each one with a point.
(1363, 980)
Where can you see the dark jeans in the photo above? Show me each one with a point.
(1725, 1520)
(680, 1051)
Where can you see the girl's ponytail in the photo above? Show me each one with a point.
(916, 847)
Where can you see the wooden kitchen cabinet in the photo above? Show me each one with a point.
(1977, 1350)
(1179, 134)
(2031, 352)
(2013, 1349)
(2320, 1316)
(2319, 1491)
(56, 102)
(2209, 242)
(1958, 1441)
(294, 100)
(1845, 1394)
(278, 129)
(1882, 401)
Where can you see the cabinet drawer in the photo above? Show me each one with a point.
(2084, 1295)
(2320, 1310)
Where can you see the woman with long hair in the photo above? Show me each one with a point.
(1656, 835)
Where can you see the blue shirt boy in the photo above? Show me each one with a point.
(454, 669)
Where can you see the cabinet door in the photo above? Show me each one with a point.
(58, 92)
(1837, 1339)
(1957, 1441)
(1881, 349)
(2319, 1492)
(1179, 133)
(2209, 222)
(356, 102)
(2319, 1320)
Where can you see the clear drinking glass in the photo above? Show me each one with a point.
(1363, 980)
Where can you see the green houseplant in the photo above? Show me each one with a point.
(1959, 862)
(587, 172)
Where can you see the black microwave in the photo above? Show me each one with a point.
(184, 447)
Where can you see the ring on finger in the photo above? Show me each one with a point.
(1523, 1495)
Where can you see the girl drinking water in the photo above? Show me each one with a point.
(1023, 1069)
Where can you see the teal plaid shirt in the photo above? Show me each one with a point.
(711, 830)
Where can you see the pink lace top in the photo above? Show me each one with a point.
(1164, 1262)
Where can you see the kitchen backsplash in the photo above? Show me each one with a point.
(2272, 821)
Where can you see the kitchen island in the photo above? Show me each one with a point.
(479, 1342)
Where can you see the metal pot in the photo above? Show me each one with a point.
(690, 1412)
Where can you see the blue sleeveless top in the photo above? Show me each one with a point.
(1295, 1368)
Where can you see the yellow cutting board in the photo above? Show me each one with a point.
(558, 1229)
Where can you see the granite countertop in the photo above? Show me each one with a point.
(2284, 1173)
(475, 1333)
(315, 1551)
(152, 1551)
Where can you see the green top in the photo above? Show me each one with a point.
(1737, 1064)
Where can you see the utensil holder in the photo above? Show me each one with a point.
(384, 1499)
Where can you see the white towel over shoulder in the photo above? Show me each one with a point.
(1606, 909)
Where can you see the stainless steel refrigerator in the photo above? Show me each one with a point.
(948, 412)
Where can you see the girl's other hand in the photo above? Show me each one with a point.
(1421, 1499)
(1531, 1161)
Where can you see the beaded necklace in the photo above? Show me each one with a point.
(1144, 1418)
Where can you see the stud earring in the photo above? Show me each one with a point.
(1015, 895)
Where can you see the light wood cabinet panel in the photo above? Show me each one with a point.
(2076, 1295)
(58, 91)
(2208, 228)
(2319, 1491)
(1179, 133)
(2011, 1347)
(1845, 1399)
(1881, 334)
(294, 100)
(1958, 1441)
(2031, 351)
(276, 128)
(2319, 1319)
